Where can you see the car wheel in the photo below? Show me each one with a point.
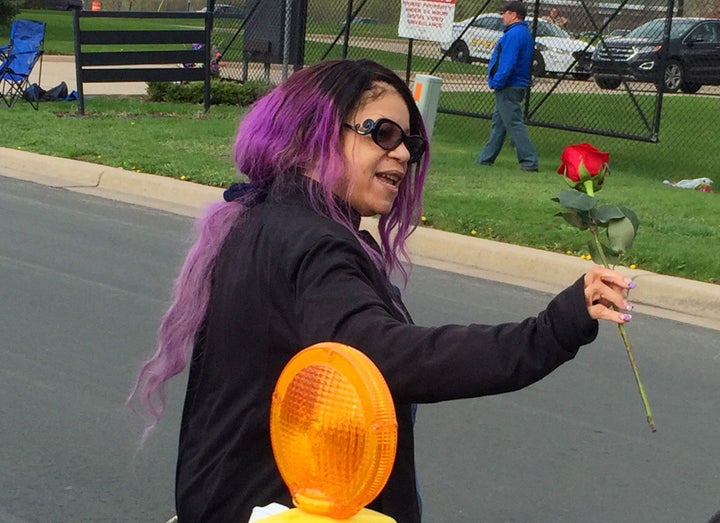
(672, 79)
(538, 65)
(459, 52)
(607, 83)
(690, 87)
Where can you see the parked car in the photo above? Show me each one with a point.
(226, 11)
(360, 20)
(555, 50)
(363, 20)
(691, 57)
(591, 36)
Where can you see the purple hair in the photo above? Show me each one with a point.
(295, 128)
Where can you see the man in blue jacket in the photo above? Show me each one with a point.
(509, 76)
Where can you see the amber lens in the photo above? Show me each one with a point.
(333, 429)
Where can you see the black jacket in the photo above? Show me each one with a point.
(287, 278)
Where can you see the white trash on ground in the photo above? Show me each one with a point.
(689, 184)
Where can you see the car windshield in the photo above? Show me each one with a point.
(655, 29)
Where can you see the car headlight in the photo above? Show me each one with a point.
(646, 49)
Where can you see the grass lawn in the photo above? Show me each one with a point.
(679, 232)
(60, 38)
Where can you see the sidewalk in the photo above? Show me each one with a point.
(61, 68)
(678, 299)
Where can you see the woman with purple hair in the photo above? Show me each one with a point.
(281, 264)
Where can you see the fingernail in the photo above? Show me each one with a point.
(631, 284)
(626, 317)
(629, 306)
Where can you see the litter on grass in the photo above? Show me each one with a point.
(699, 184)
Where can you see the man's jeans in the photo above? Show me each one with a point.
(508, 119)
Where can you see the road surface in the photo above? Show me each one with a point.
(85, 281)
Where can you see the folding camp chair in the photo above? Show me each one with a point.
(19, 58)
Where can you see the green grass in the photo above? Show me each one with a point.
(153, 137)
(680, 229)
(59, 35)
(59, 39)
(679, 233)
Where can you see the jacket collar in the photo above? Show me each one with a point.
(299, 190)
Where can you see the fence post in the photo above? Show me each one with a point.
(78, 61)
(427, 96)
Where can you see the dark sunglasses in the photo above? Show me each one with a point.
(388, 135)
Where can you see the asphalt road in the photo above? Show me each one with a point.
(85, 281)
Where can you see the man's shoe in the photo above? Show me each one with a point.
(529, 169)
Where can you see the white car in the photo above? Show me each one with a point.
(225, 11)
(555, 50)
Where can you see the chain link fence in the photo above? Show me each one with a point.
(599, 67)
(596, 67)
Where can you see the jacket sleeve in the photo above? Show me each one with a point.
(338, 299)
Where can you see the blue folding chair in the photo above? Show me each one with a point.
(19, 58)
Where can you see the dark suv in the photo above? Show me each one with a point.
(691, 58)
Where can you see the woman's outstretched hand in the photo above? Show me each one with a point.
(606, 295)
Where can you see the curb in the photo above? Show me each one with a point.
(670, 297)
(115, 183)
(681, 299)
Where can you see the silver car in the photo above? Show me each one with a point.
(556, 51)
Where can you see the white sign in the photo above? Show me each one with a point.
(427, 19)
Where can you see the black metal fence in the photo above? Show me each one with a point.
(605, 68)
(188, 43)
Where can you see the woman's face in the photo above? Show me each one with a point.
(374, 174)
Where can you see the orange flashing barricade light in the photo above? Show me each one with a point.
(334, 434)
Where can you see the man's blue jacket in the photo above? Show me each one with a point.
(511, 60)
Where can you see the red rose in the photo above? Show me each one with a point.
(582, 162)
(613, 228)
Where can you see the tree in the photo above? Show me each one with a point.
(9, 9)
